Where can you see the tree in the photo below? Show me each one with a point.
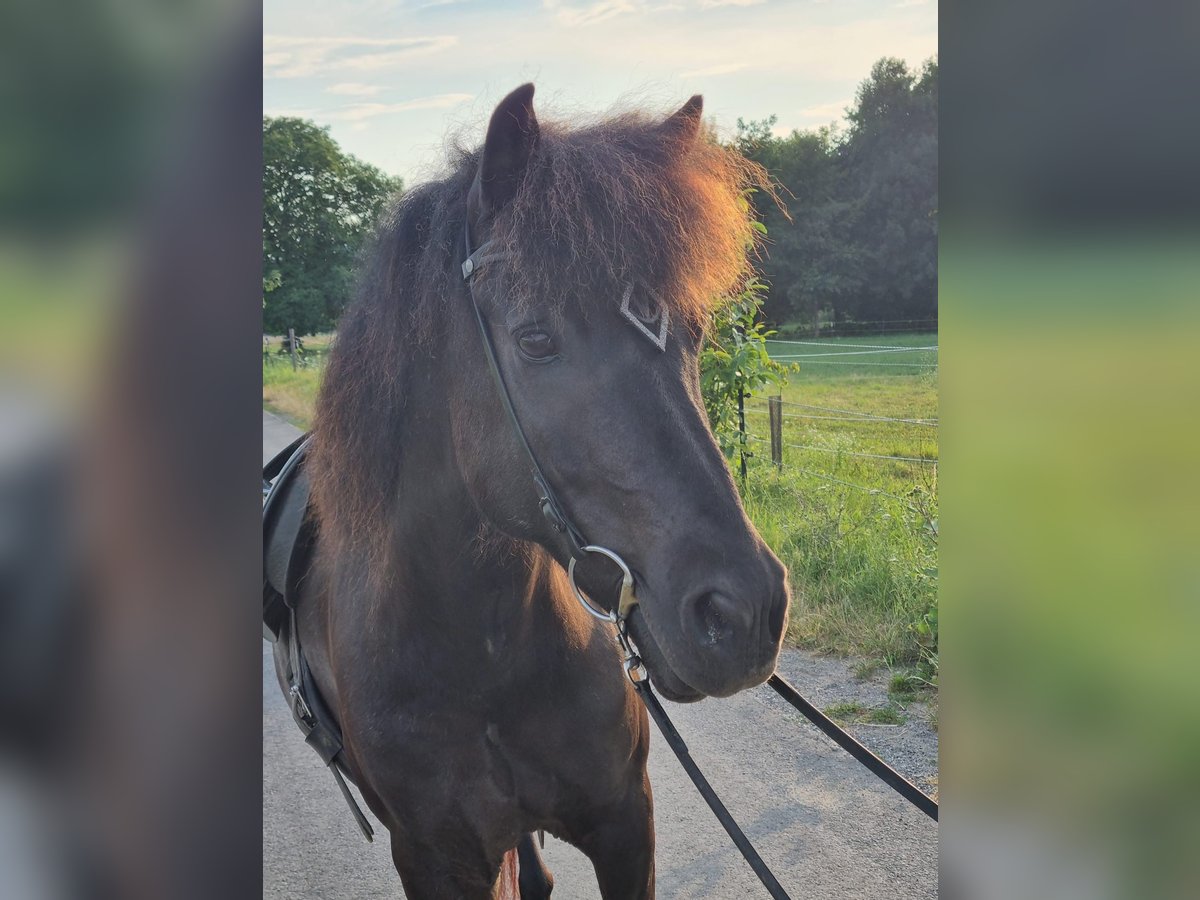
(859, 239)
(890, 159)
(734, 365)
(319, 204)
(809, 262)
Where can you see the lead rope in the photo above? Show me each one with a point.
(877, 766)
(636, 672)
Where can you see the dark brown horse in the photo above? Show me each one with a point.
(479, 702)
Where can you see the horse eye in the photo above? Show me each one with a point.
(536, 345)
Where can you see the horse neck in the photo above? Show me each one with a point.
(454, 571)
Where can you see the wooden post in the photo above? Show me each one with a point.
(775, 408)
(742, 432)
(292, 346)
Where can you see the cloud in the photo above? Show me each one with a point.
(905, 4)
(826, 112)
(359, 112)
(630, 52)
(298, 57)
(710, 4)
(354, 89)
(589, 14)
(289, 112)
(723, 69)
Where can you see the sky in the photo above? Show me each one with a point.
(396, 80)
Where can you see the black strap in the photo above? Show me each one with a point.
(287, 532)
(675, 742)
(552, 509)
(882, 770)
(283, 457)
(316, 721)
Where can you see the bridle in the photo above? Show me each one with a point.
(548, 501)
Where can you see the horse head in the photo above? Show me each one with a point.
(604, 250)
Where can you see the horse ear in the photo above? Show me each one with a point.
(684, 125)
(512, 137)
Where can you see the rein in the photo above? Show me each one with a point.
(635, 670)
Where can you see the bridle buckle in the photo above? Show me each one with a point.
(625, 602)
(635, 669)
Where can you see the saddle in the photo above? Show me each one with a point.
(288, 539)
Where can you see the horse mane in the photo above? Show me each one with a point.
(619, 199)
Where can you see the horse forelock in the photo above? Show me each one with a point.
(621, 201)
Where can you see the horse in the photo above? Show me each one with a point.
(479, 701)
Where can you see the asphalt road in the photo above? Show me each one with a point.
(825, 826)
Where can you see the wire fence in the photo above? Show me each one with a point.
(865, 328)
(831, 362)
(815, 419)
(853, 414)
(872, 352)
(789, 350)
(776, 340)
(825, 476)
(806, 417)
(838, 425)
(854, 453)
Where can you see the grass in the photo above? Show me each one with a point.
(858, 533)
(854, 713)
(846, 711)
(904, 687)
(291, 394)
(865, 668)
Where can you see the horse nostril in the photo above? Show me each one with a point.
(715, 617)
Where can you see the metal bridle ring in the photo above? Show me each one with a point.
(626, 583)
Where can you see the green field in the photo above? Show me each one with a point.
(856, 526)
(857, 531)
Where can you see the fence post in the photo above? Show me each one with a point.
(742, 432)
(775, 408)
(292, 346)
